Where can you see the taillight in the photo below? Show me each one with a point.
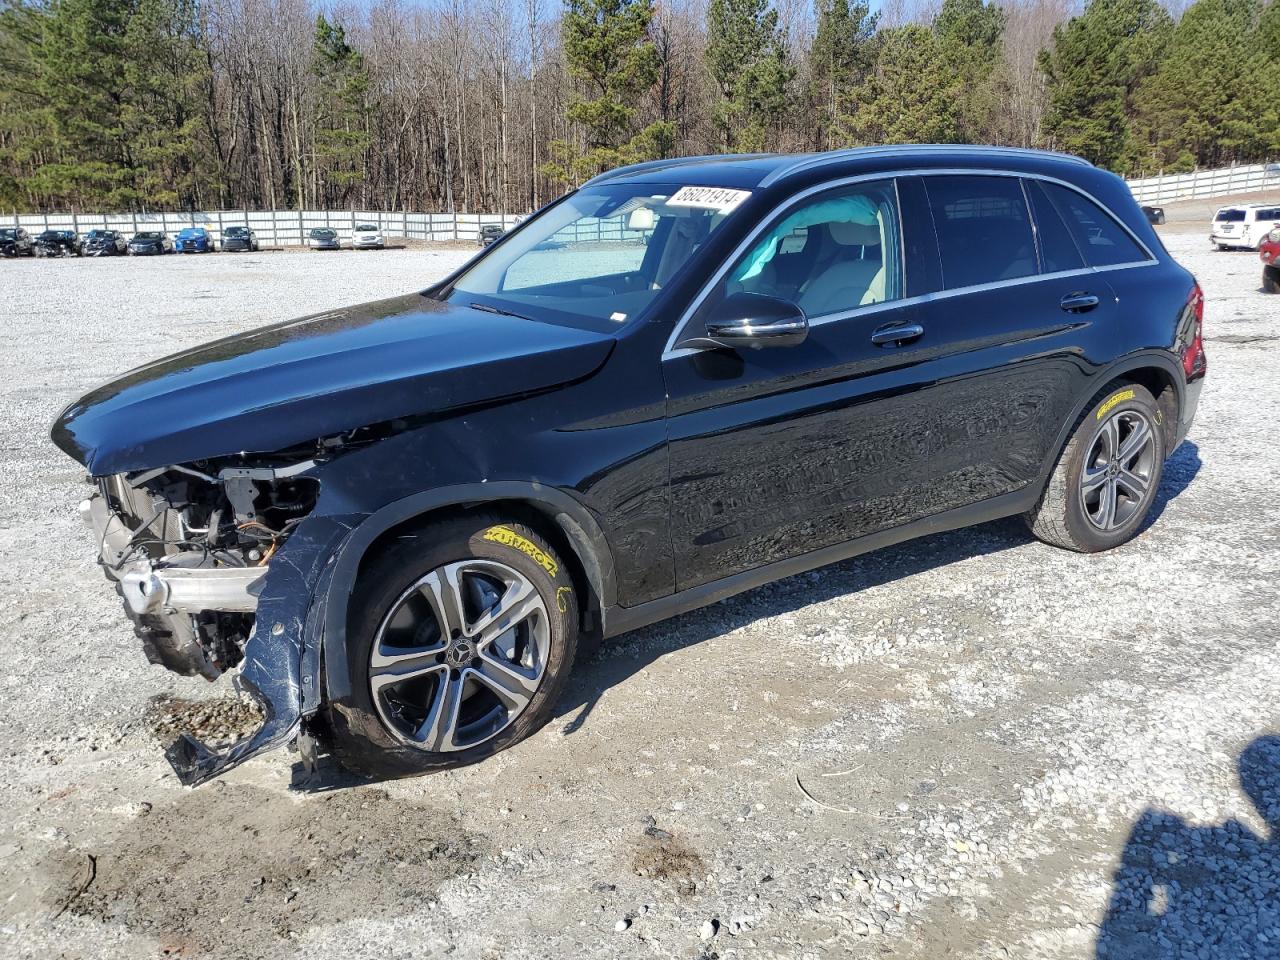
(1193, 358)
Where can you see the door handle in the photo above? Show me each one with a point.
(1079, 302)
(896, 334)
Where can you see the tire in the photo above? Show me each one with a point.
(391, 610)
(1271, 279)
(1069, 517)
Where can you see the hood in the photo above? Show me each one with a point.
(290, 383)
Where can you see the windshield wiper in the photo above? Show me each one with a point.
(488, 309)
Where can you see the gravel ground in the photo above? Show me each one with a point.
(973, 745)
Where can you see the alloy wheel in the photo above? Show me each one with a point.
(459, 656)
(1115, 483)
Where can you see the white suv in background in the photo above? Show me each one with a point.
(1245, 225)
(366, 236)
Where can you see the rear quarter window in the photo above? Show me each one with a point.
(1099, 236)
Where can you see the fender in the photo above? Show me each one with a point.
(571, 515)
(1117, 368)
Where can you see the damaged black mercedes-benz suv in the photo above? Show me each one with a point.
(400, 521)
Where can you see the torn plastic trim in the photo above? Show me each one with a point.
(278, 671)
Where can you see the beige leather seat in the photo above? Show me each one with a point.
(848, 277)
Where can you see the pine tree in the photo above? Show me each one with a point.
(747, 59)
(608, 50)
(341, 138)
(839, 60)
(906, 99)
(1094, 68)
(969, 35)
(1194, 110)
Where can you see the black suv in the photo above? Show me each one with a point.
(403, 520)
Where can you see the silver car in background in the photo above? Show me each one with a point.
(323, 238)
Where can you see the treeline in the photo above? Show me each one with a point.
(498, 105)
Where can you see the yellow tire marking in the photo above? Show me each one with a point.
(1113, 401)
(509, 538)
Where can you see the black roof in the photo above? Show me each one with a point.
(750, 171)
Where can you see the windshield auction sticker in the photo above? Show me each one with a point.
(708, 198)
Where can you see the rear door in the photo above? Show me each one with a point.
(1016, 293)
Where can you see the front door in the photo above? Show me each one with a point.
(780, 451)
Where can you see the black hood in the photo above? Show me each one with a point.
(287, 384)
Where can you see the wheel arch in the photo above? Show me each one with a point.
(1157, 371)
(561, 518)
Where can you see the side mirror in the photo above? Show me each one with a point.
(753, 320)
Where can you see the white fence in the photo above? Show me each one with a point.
(1206, 183)
(273, 227)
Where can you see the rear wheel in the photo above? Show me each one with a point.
(1271, 279)
(461, 638)
(1106, 479)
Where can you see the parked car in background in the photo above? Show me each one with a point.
(149, 243)
(406, 519)
(193, 240)
(1154, 215)
(1269, 251)
(15, 242)
(1244, 226)
(58, 243)
(322, 238)
(239, 239)
(366, 236)
(491, 233)
(104, 243)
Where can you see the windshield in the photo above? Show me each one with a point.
(599, 257)
(99, 234)
(1230, 215)
(192, 232)
(366, 227)
(8, 233)
(322, 233)
(235, 231)
(146, 236)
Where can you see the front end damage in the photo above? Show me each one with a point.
(219, 566)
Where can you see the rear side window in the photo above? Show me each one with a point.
(1100, 238)
(984, 232)
(1058, 250)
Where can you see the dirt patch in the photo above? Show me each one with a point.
(239, 858)
(664, 856)
(214, 721)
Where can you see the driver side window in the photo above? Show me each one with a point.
(831, 254)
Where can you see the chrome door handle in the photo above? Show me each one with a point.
(1079, 302)
(896, 334)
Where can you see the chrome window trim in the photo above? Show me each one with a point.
(670, 352)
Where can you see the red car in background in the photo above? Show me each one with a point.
(1269, 251)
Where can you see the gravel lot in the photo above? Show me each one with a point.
(972, 745)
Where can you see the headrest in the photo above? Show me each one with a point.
(849, 234)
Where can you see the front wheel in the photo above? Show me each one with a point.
(460, 640)
(1106, 479)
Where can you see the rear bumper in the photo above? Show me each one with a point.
(1190, 403)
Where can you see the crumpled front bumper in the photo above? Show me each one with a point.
(281, 667)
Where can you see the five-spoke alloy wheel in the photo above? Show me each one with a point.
(1105, 481)
(460, 655)
(460, 636)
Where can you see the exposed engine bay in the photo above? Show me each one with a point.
(189, 546)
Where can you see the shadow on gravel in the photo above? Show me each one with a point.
(1179, 470)
(1214, 892)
